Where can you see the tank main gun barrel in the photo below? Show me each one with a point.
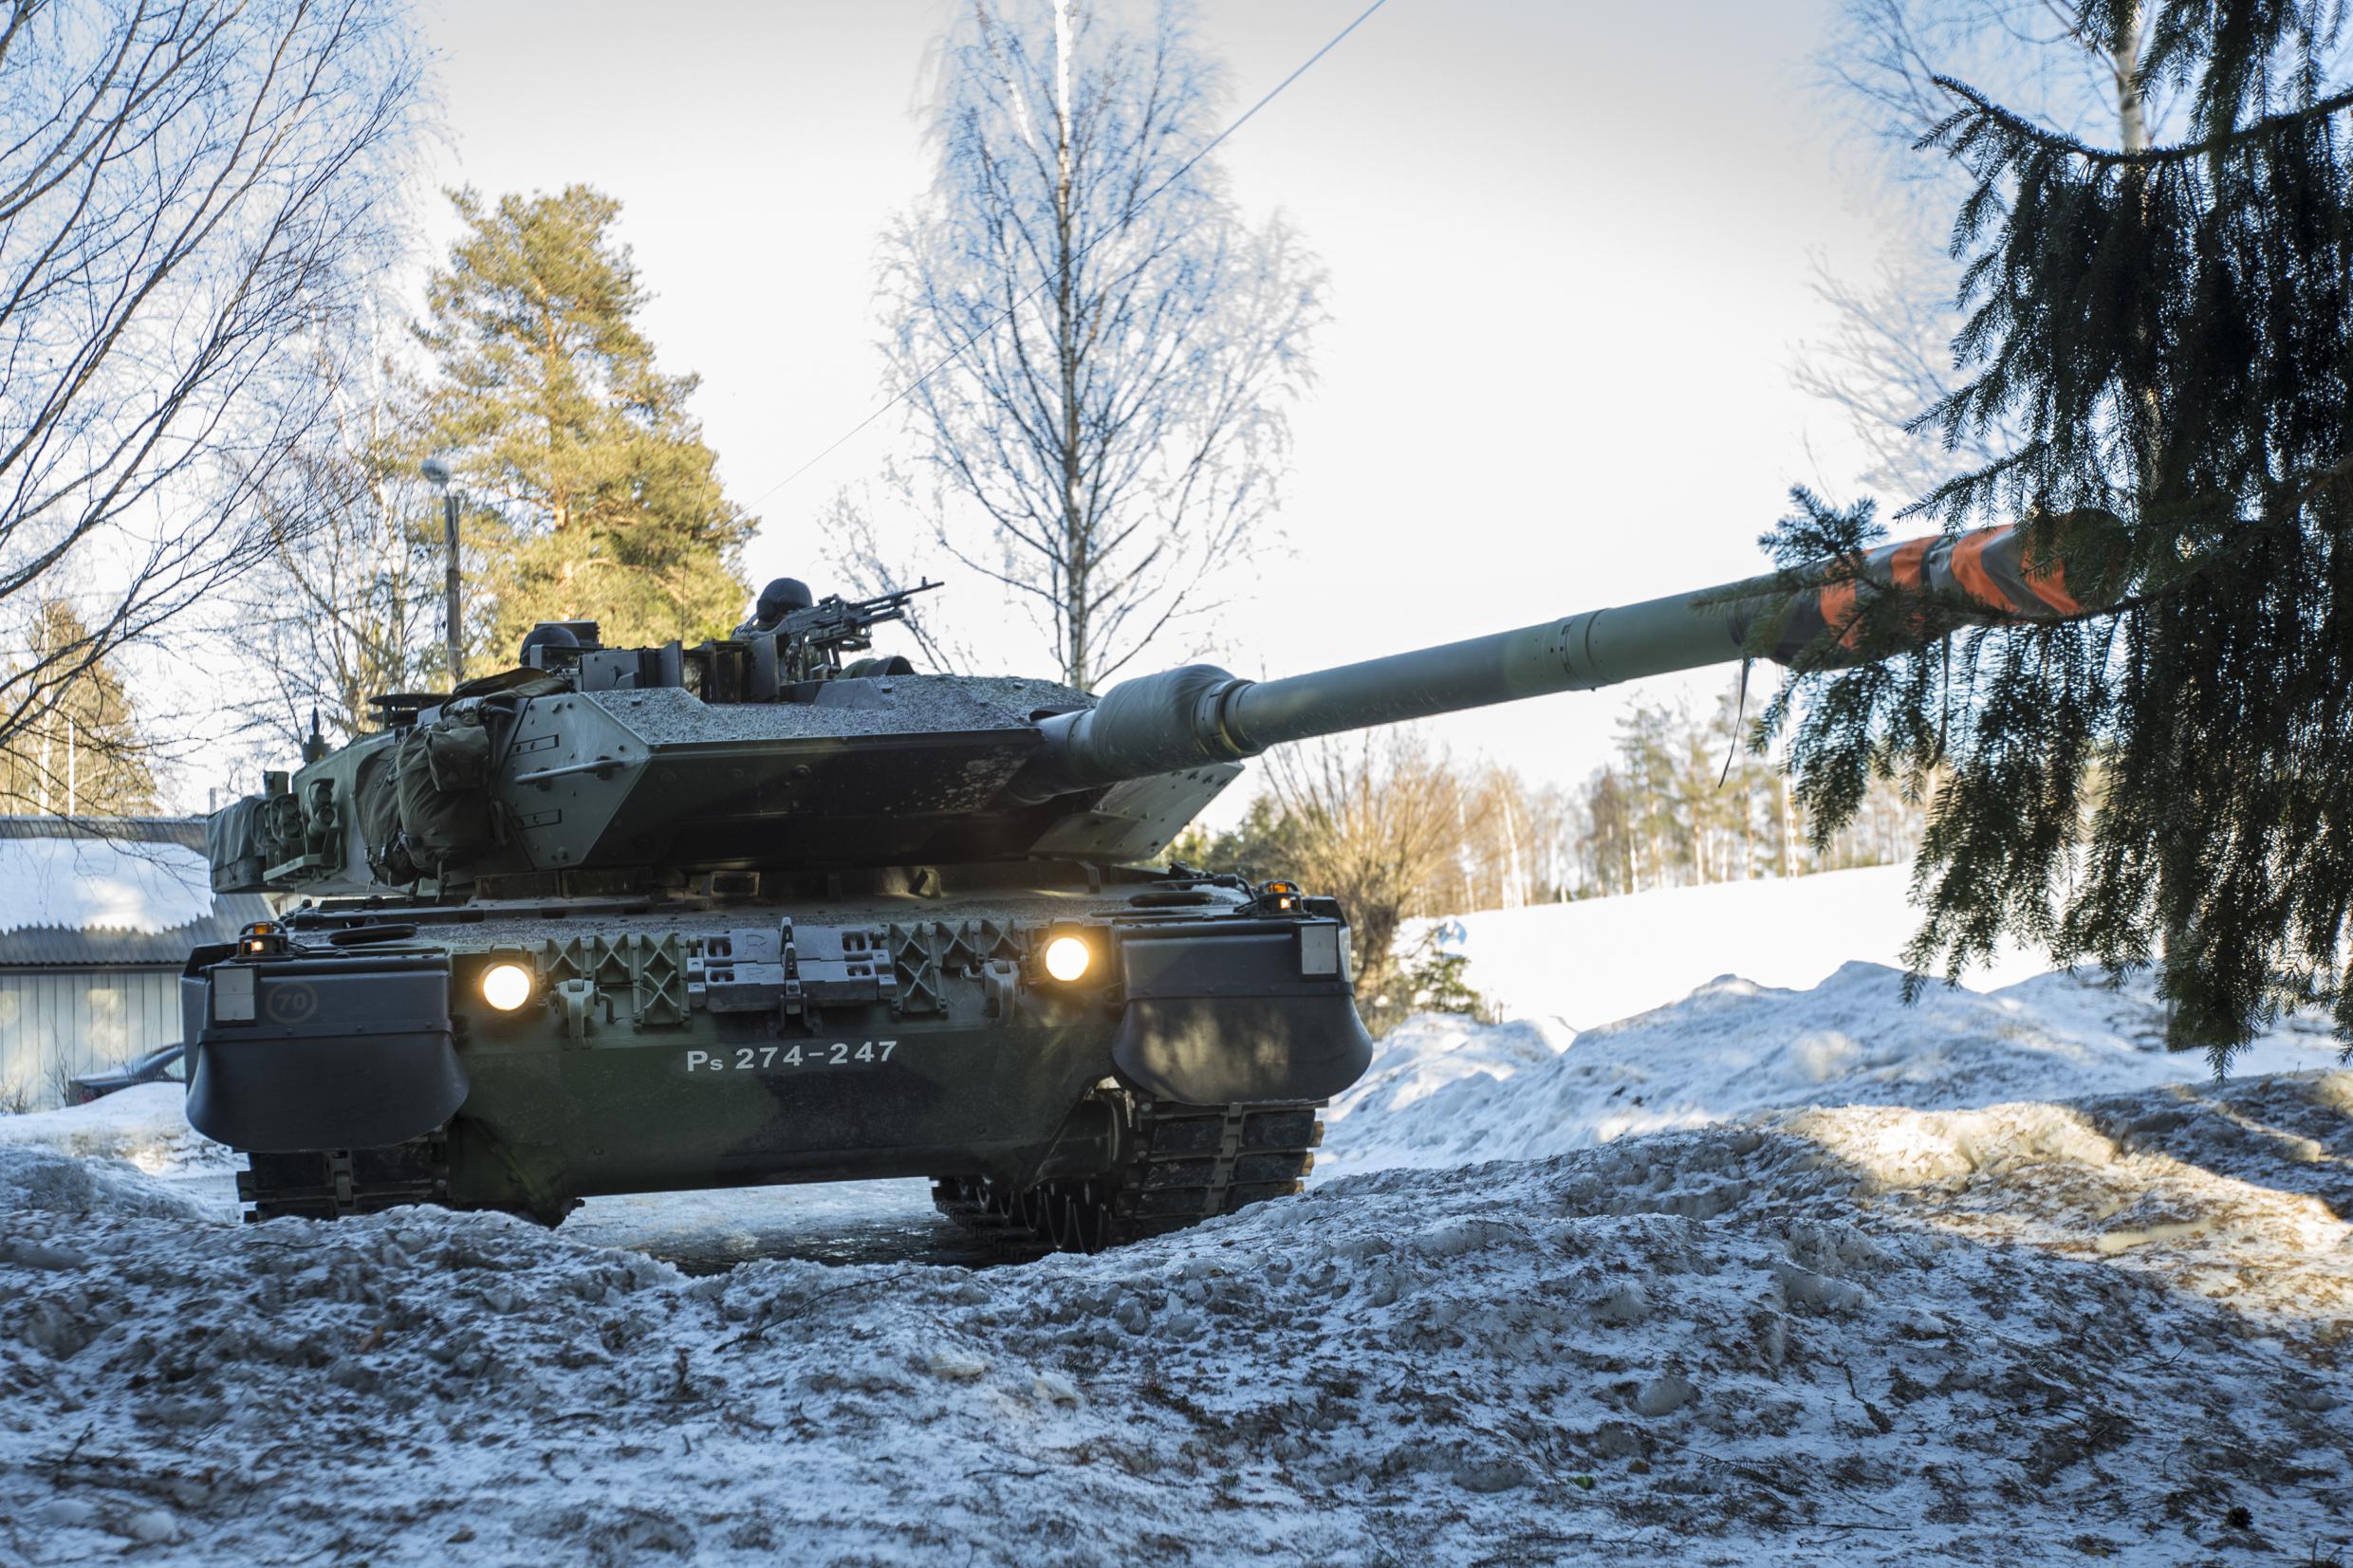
(1201, 715)
(1578, 654)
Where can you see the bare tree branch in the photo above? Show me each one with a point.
(1111, 438)
(186, 190)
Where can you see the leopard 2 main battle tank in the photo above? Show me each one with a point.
(620, 920)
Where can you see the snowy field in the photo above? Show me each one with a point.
(1757, 1276)
(1609, 958)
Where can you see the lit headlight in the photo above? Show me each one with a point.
(1067, 957)
(505, 986)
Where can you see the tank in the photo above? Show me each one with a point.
(767, 911)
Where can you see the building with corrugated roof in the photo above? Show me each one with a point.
(96, 919)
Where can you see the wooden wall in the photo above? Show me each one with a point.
(57, 1022)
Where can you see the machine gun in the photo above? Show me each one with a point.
(810, 643)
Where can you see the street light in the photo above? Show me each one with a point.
(436, 471)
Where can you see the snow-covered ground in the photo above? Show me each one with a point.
(1609, 958)
(842, 1222)
(1445, 1091)
(1759, 1276)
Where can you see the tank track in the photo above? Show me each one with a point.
(1186, 1164)
(342, 1182)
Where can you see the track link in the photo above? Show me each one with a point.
(1188, 1163)
(342, 1182)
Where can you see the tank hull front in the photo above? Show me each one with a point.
(685, 1045)
(873, 1098)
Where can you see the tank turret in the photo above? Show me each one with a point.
(772, 751)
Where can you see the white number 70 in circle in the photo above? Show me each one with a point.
(769, 1059)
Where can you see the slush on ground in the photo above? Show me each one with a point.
(1780, 1270)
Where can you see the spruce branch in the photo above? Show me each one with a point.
(1962, 128)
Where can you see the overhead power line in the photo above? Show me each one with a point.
(1007, 314)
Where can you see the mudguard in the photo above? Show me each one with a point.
(1225, 1017)
(317, 1055)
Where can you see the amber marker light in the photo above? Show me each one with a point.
(1067, 958)
(505, 986)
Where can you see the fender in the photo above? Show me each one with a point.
(279, 1066)
(1224, 1016)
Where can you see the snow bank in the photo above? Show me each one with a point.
(1605, 958)
(1446, 1091)
(92, 884)
(145, 1125)
(1868, 1335)
(44, 1183)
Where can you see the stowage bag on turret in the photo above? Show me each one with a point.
(442, 774)
(233, 841)
(376, 794)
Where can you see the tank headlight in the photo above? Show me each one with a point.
(505, 986)
(1067, 958)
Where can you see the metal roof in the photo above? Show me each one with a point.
(71, 947)
(188, 831)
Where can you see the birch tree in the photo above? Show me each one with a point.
(1372, 819)
(1096, 351)
(184, 189)
(348, 604)
(1887, 356)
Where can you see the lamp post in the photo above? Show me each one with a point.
(436, 471)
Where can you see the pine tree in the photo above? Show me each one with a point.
(1257, 847)
(2169, 330)
(1652, 742)
(1608, 842)
(606, 505)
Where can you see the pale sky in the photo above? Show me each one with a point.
(1567, 246)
